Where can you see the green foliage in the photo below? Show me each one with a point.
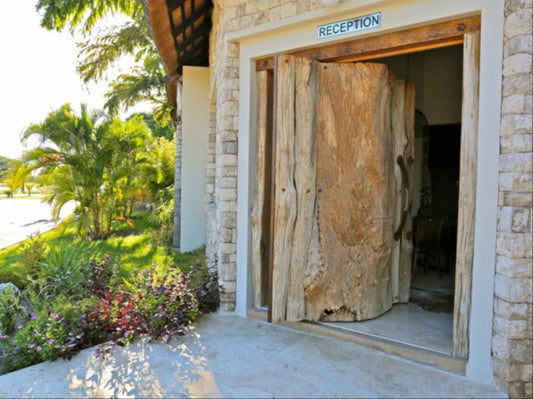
(9, 308)
(58, 14)
(158, 172)
(32, 252)
(40, 339)
(62, 273)
(89, 159)
(133, 245)
(112, 43)
(29, 187)
(157, 130)
(158, 300)
(163, 215)
(16, 176)
(144, 82)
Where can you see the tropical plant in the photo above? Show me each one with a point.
(86, 159)
(29, 187)
(60, 14)
(168, 132)
(9, 308)
(145, 81)
(158, 172)
(32, 252)
(16, 177)
(156, 300)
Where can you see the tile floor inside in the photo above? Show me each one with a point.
(426, 321)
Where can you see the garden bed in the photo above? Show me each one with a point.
(75, 293)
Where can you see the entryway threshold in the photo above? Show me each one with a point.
(406, 350)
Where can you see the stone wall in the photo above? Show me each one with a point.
(512, 326)
(512, 331)
(228, 16)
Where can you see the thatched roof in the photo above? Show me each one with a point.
(180, 29)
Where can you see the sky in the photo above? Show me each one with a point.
(37, 74)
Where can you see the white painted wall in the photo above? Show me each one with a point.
(194, 156)
(437, 75)
(299, 32)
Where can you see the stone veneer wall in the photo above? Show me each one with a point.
(211, 254)
(512, 331)
(228, 16)
(512, 327)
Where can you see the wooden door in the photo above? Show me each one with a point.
(342, 159)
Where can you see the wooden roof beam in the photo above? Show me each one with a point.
(173, 4)
(203, 10)
(204, 30)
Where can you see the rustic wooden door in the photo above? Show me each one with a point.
(343, 153)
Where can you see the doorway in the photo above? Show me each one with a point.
(459, 330)
(427, 320)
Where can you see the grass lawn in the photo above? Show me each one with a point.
(134, 245)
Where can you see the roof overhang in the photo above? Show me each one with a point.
(180, 29)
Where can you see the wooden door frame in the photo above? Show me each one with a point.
(407, 41)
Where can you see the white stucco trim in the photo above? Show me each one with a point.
(284, 36)
(195, 132)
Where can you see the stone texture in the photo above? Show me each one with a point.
(518, 44)
(512, 331)
(517, 104)
(513, 162)
(512, 303)
(518, 63)
(507, 198)
(516, 143)
(515, 245)
(516, 220)
(513, 289)
(514, 267)
(513, 311)
(519, 22)
(521, 182)
(516, 123)
(517, 84)
(515, 5)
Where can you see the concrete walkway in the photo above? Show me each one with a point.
(230, 357)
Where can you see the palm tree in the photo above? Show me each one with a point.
(29, 187)
(16, 177)
(80, 157)
(144, 82)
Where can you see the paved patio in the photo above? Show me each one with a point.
(228, 356)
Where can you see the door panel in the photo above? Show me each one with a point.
(260, 215)
(295, 170)
(354, 175)
(466, 219)
(339, 197)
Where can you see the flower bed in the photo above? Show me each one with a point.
(86, 303)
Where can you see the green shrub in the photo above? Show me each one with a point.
(93, 304)
(62, 272)
(9, 308)
(163, 216)
(40, 339)
(33, 252)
